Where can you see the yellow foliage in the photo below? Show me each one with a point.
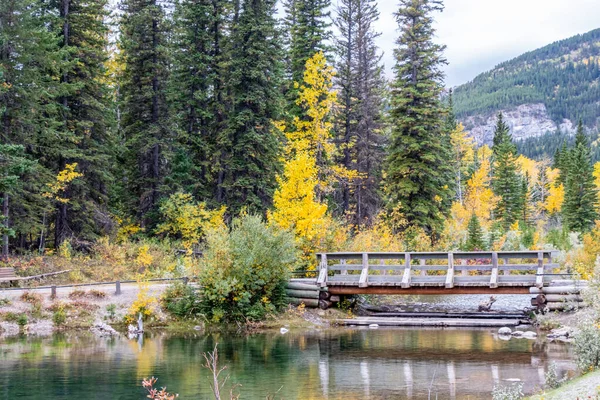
(597, 178)
(144, 258)
(144, 304)
(187, 219)
(479, 199)
(585, 258)
(63, 179)
(529, 166)
(379, 237)
(296, 207)
(307, 171)
(127, 230)
(556, 193)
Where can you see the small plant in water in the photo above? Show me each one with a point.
(513, 391)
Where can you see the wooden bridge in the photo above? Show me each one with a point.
(502, 272)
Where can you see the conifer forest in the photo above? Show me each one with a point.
(157, 119)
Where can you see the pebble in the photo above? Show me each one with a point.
(504, 331)
(373, 326)
(103, 330)
(283, 331)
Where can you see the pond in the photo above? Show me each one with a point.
(339, 363)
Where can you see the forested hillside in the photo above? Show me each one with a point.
(563, 76)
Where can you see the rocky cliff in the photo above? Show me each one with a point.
(525, 121)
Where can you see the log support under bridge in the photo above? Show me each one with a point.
(391, 290)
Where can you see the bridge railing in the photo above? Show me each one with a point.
(409, 269)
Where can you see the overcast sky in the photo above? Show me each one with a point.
(482, 33)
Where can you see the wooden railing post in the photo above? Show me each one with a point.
(364, 275)
(407, 271)
(422, 264)
(345, 271)
(539, 279)
(464, 272)
(450, 273)
(494, 278)
(323, 269)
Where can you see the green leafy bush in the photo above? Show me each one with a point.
(182, 301)
(513, 391)
(59, 317)
(587, 346)
(245, 269)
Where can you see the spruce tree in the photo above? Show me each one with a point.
(31, 85)
(196, 94)
(474, 235)
(144, 121)
(419, 178)
(88, 118)
(358, 126)
(579, 208)
(254, 87)
(505, 180)
(309, 32)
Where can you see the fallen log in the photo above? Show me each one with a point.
(556, 290)
(301, 286)
(553, 298)
(302, 294)
(312, 303)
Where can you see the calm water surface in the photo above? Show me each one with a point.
(334, 364)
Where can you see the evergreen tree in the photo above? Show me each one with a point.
(474, 235)
(196, 94)
(579, 208)
(31, 65)
(254, 83)
(505, 181)
(144, 108)
(87, 116)
(308, 21)
(360, 82)
(13, 165)
(418, 175)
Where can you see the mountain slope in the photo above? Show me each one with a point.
(540, 91)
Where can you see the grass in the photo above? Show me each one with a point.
(584, 387)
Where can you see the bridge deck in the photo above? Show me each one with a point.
(436, 273)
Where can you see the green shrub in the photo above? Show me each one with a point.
(22, 320)
(182, 301)
(111, 309)
(587, 346)
(59, 317)
(245, 269)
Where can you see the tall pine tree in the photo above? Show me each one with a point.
(418, 182)
(196, 94)
(579, 208)
(144, 122)
(254, 87)
(506, 182)
(32, 65)
(87, 116)
(359, 123)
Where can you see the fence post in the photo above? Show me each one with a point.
(185, 280)
(364, 275)
(407, 271)
(450, 274)
(494, 277)
(118, 287)
(53, 292)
